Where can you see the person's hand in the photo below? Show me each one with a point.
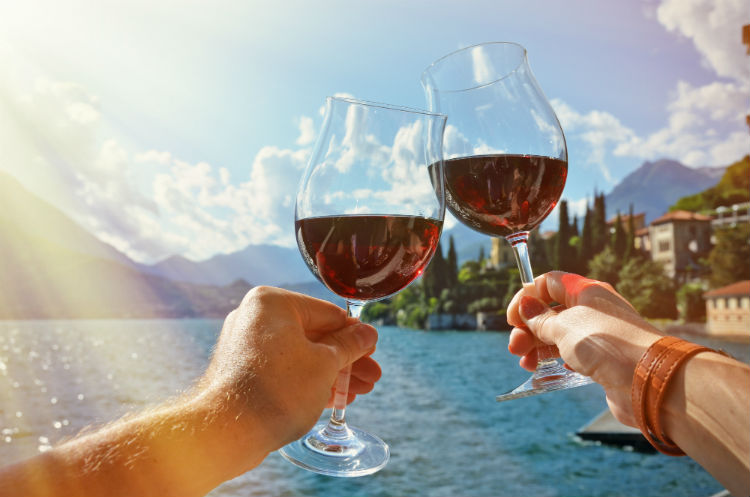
(594, 329)
(277, 358)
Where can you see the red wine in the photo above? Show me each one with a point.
(367, 257)
(503, 194)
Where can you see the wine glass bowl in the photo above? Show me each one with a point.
(368, 217)
(506, 161)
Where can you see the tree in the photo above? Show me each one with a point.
(599, 231)
(452, 263)
(605, 266)
(729, 257)
(690, 303)
(564, 254)
(586, 248)
(435, 276)
(619, 240)
(540, 262)
(652, 293)
(631, 235)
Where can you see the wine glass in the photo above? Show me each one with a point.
(368, 218)
(505, 162)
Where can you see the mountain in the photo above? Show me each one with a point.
(36, 217)
(257, 264)
(655, 186)
(50, 267)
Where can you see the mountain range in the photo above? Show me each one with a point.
(655, 186)
(43, 253)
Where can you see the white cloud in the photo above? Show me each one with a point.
(599, 130)
(705, 127)
(306, 131)
(714, 26)
(52, 139)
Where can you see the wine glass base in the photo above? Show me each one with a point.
(561, 379)
(363, 455)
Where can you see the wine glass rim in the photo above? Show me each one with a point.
(487, 43)
(383, 105)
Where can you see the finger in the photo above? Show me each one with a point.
(539, 319)
(529, 361)
(317, 316)
(359, 387)
(572, 289)
(521, 341)
(350, 343)
(367, 369)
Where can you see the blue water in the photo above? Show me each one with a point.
(434, 405)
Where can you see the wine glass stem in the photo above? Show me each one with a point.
(519, 242)
(338, 413)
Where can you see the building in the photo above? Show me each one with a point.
(678, 240)
(728, 310)
(731, 216)
(639, 222)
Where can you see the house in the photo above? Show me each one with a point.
(728, 310)
(678, 240)
(639, 222)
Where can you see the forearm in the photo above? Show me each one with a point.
(705, 414)
(180, 449)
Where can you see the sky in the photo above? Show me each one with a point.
(182, 127)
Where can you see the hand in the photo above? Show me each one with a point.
(594, 329)
(277, 358)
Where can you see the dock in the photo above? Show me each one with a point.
(607, 430)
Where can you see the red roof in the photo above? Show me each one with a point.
(681, 216)
(641, 232)
(738, 289)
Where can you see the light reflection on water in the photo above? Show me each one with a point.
(435, 407)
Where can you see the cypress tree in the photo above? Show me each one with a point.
(452, 263)
(619, 240)
(586, 251)
(599, 231)
(630, 249)
(433, 279)
(562, 242)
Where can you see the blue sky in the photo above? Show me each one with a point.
(182, 127)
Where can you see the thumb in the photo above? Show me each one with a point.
(351, 343)
(536, 316)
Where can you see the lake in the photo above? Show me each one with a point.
(435, 406)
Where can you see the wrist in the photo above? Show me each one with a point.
(231, 435)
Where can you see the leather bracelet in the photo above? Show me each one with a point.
(651, 379)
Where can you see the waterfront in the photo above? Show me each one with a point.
(435, 407)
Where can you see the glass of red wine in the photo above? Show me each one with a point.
(368, 218)
(505, 162)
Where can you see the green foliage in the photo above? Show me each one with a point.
(486, 304)
(619, 240)
(733, 188)
(469, 272)
(652, 293)
(375, 311)
(605, 266)
(690, 303)
(730, 257)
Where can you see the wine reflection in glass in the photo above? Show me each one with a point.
(505, 163)
(368, 218)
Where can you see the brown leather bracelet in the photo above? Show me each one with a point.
(650, 382)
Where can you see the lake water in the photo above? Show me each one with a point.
(434, 405)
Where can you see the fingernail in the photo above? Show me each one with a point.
(530, 307)
(366, 335)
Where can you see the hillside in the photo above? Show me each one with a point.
(732, 188)
(53, 268)
(655, 186)
(34, 216)
(257, 264)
